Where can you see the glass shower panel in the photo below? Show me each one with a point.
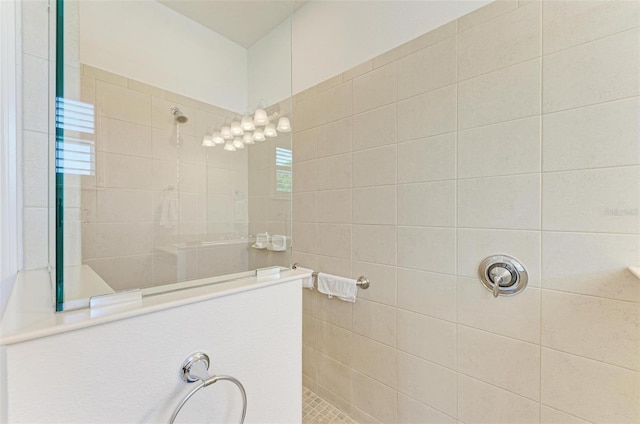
(149, 191)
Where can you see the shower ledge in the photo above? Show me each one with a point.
(635, 270)
(29, 311)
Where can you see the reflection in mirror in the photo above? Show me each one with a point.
(173, 142)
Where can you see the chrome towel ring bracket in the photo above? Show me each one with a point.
(194, 369)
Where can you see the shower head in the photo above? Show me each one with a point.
(180, 117)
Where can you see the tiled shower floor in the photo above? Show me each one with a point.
(316, 410)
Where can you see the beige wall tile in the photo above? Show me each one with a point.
(305, 237)
(35, 170)
(429, 338)
(35, 28)
(591, 264)
(139, 206)
(375, 321)
(503, 41)
(428, 114)
(384, 289)
(376, 360)
(602, 200)
(104, 76)
(412, 411)
(333, 104)
(335, 399)
(374, 205)
(35, 237)
(375, 128)
(123, 137)
(334, 240)
(569, 23)
(374, 243)
(509, 93)
(120, 171)
(475, 245)
(374, 398)
(501, 361)
(428, 249)
(126, 272)
(305, 206)
(428, 69)
(427, 382)
(307, 113)
(310, 331)
(588, 389)
(334, 172)
(478, 308)
(334, 138)
(35, 103)
(124, 104)
(427, 293)
(490, 11)
(553, 416)
(123, 239)
(376, 88)
(375, 167)
(305, 145)
(589, 326)
(329, 83)
(595, 72)
(335, 376)
(479, 208)
(358, 70)
(306, 176)
(479, 402)
(310, 363)
(429, 159)
(501, 149)
(427, 204)
(593, 136)
(335, 342)
(334, 206)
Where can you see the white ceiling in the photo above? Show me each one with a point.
(242, 21)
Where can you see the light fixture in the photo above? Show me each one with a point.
(270, 131)
(258, 135)
(237, 143)
(236, 130)
(284, 125)
(247, 138)
(229, 147)
(217, 138)
(247, 123)
(207, 141)
(226, 133)
(260, 117)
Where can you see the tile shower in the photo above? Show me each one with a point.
(511, 130)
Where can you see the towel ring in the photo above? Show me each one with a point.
(191, 377)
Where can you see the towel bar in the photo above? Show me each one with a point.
(362, 281)
(191, 375)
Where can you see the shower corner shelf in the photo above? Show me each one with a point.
(635, 270)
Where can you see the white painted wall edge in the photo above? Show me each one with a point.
(10, 154)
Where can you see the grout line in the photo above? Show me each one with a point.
(541, 197)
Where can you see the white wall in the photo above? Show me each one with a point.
(330, 37)
(127, 371)
(270, 67)
(170, 51)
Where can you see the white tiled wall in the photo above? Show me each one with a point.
(512, 130)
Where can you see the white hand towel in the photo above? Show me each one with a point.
(307, 282)
(342, 287)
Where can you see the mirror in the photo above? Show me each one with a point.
(173, 143)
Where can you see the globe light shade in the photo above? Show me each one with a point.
(284, 125)
(226, 133)
(217, 138)
(229, 147)
(260, 117)
(247, 138)
(237, 143)
(207, 141)
(247, 123)
(236, 130)
(258, 135)
(270, 131)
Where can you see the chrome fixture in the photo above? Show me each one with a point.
(194, 369)
(179, 116)
(503, 275)
(362, 281)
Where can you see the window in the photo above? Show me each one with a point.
(74, 155)
(284, 180)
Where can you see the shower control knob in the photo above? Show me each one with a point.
(503, 275)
